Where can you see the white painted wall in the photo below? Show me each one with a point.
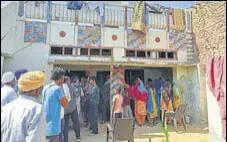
(55, 29)
(164, 40)
(107, 37)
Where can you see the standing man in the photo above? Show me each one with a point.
(23, 120)
(94, 99)
(52, 99)
(71, 111)
(7, 92)
(77, 90)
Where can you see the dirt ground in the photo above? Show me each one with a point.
(142, 134)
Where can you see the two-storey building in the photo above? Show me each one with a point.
(39, 36)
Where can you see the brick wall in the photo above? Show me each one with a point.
(209, 29)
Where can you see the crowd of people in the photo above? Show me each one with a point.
(151, 101)
(32, 111)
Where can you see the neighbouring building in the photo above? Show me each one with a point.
(78, 40)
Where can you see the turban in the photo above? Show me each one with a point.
(18, 73)
(7, 77)
(31, 81)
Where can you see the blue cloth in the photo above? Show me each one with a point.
(142, 87)
(48, 11)
(149, 102)
(158, 100)
(7, 94)
(51, 96)
(19, 72)
(75, 5)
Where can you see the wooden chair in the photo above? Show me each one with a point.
(121, 129)
(179, 114)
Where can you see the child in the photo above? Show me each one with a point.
(127, 112)
(117, 104)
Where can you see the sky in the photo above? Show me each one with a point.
(173, 4)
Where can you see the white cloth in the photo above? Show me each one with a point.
(96, 4)
(66, 92)
(23, 120)
(8, 94)
(78, 105)
(7, 77)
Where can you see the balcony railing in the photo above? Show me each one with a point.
(113, 15)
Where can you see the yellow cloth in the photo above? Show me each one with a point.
(155, 113)
(177, 97)
(139, 17)
(178, 17)
(31, 81)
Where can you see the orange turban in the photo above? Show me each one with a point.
(31, 81)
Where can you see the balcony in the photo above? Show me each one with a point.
(114, 16)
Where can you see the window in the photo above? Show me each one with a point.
(170, 55)
(151, 54)
(130, 53)
(56, 50)
(162, 55)
(68, 51)
(94, 51)
(141, 54)
(83, 51)
(106, 52)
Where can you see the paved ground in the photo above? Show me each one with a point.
(142, 134)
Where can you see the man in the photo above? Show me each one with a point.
(52, 99)
(71, 111)
(94, 101)
(7, 92)
(23, 120)
(77, 90)
(117, 104)
(67, 95)
(17, 74)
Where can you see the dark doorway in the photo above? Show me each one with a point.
(101, 77)
(79, 74)
(130, 76)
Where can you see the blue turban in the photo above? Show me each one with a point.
(74, 79)
(19, 72)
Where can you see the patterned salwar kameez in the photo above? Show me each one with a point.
(141, 96)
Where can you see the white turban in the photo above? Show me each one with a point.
(7, 77)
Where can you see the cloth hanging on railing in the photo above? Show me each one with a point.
(178, 17)
(48, 11)
(74, 5)
(98, 6)
(139, 17)
(21, 9)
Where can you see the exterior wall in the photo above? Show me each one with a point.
(209, 29)
(2, 61)
(188, 78)
(34, 57)
(10, 28)
(107, 37)
(55, 29)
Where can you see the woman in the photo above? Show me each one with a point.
(166, 101)
(140, 94)
(152, 111)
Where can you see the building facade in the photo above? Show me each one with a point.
(79, 40)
